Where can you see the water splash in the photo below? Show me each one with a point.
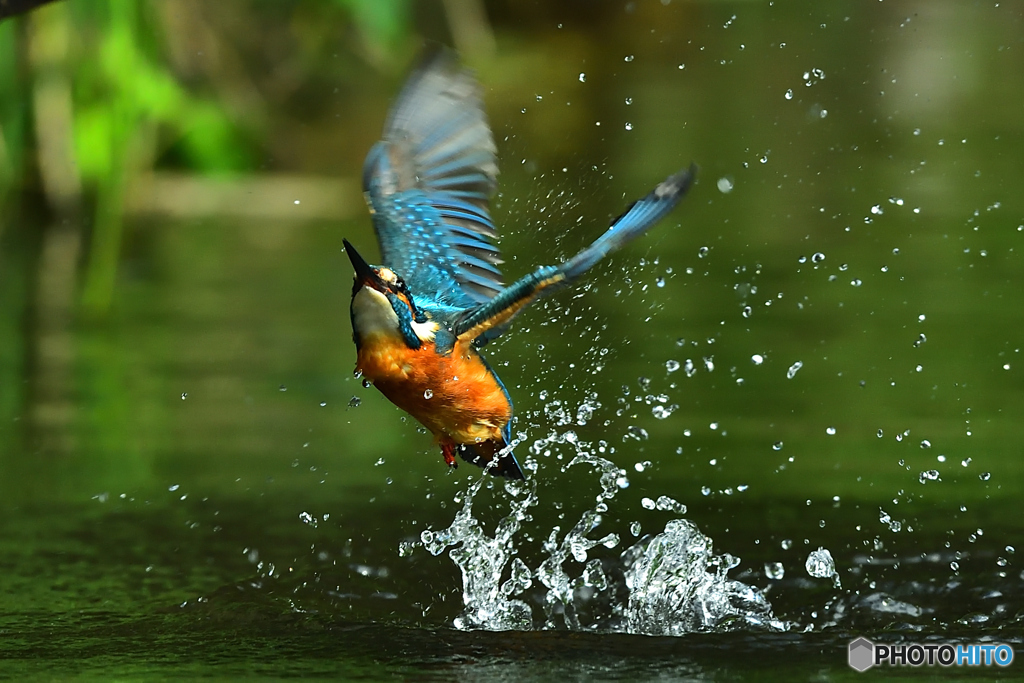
(670, 583)
(672, 592)
(561, 587)
(820, 565)
(489, 602)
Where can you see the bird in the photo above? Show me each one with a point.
(420, 319)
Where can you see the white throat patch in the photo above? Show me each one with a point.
(372, 315)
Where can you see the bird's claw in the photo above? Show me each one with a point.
(448, 451)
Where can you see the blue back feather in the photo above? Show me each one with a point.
(428, 182)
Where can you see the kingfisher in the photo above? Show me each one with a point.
(420, 319)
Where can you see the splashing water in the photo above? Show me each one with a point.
(672, 593)
(667, 584)
(489, 602)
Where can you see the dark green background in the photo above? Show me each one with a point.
(176, 380)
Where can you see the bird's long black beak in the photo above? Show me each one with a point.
(365, 275)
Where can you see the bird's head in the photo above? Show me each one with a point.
(383, 305)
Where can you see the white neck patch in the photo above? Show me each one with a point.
(372, 315)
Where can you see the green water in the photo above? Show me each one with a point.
(188, 488)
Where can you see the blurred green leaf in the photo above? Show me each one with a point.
(382, 22)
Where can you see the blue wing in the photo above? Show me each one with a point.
(488, 320)
(428, 182)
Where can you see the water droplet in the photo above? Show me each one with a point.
(636, 433)
(788, 95)
(818, 257)
(323, 404)
(820, 565)
(628, 58)
(583, 77)
(856, 282)
(757, 359)
(813, 76)
(774, 570)
(648, 503)
(672, 365)
(925, 443)
(667, 504)
(747, 310)
(661, 412)
(885, 518)
(793, 369)
(428, 394)
(831, 431)
(184, 395)
(634, 528)
(786, 544)
(354, 402)
(702, 252)
(777, 446)
(985, 476)
(928, 475)
(629, 126)
(282, 388)
(725, 184)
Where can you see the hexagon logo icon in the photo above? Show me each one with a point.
(862, 654)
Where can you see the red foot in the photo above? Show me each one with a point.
(448, 451)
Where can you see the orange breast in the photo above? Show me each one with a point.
(454, 396)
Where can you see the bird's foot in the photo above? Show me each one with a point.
(448, 451)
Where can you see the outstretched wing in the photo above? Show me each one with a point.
(490, 319)
(428, 183)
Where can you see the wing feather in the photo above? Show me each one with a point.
(429, 181)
